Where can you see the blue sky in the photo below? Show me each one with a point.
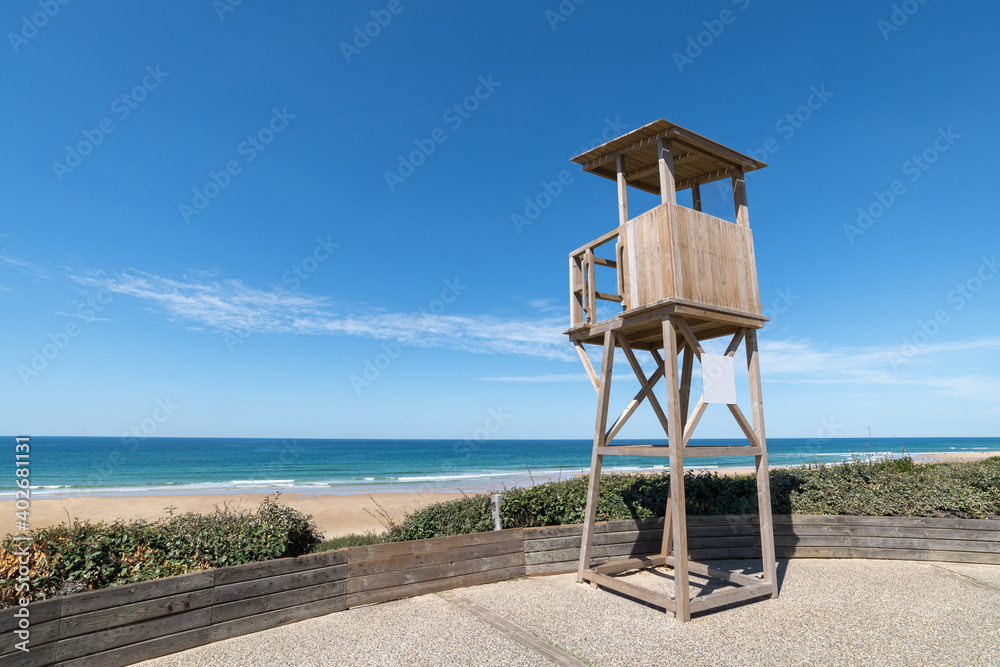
(204, 205)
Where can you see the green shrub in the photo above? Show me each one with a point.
(87, 556)
(861, 487)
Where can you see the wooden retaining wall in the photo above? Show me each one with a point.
(551, 550)
(126, 624)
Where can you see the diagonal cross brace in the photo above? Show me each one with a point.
(645, 391)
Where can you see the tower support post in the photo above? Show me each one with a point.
(600, 439)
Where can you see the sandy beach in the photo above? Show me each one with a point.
(334, 514)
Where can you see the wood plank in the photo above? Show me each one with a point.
(600, 431)
(435, 586)
(590, 302)
(103, 619)
(665, 164)
(145, 650)
(548, 569)
(814, 552)
(278, 617)
(696, 196)
(129, 593)
(37, 656)
(38, 612)
(569, 541)
(634, 450)
(740, 199)
(744, 424)
(889, 543)
(678, 518)
(687, 368)
(889, 531)
(689, 337)
(702, 452)
(512, 630)
(575, 293)
(725, 553)
(760, 463)
(730, 596)
(725, 575)
(900, 521)
(273, 568)
(602, 551)
(430, 573)
(604, 296)
(597, 243)
(392, 549)
(105, 640)
(641, 563)
(692, 422)
(610, 263)
(588, 366)
(601, 527)
(360, 568)
(263, 604)
(40, 634)
(630, 590)
(284, 582)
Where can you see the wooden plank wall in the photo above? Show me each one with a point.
(399, 570)
(550, 550)
(717, 262)
(718, 266)
(126, 624)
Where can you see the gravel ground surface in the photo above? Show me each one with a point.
(427, 630)
(830, 612)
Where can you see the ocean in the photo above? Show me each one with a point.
(73, 466)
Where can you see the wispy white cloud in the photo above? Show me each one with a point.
(202, 301)
(25, 267)
(89, 318)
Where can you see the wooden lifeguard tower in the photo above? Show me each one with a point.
(682, 277)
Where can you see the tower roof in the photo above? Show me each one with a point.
(696, 158)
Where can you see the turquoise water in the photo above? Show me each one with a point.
(116, 466)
